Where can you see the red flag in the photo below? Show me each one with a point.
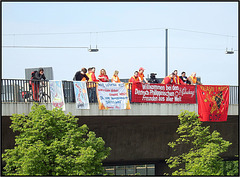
(213, 102)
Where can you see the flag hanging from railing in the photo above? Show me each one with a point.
(213, 102)
(57, 97)
(81, 95)
(112, 96)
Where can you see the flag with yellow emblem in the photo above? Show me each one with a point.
(213, 102)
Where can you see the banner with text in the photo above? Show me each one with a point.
(213, 102)
(112, 96)
(81, 95)
(57, 97)
(163, 93)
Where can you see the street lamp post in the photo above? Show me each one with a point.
(166, 53)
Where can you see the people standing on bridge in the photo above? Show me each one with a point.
(193, 79)
(115, 77)
(39, 75)
(141, 75)
(153, 78)
(135, 78)
(176, 78)
(91, 84)
(103, 76)
(168, 79)
(81, 75)
(184, 78)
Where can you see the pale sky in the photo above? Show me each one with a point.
(128, 35)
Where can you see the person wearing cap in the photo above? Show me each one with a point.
(39, 75)
(168, 79)
(141, 75)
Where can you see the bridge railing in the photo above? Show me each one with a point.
(19, 90)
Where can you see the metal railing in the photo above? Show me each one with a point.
(19, 90)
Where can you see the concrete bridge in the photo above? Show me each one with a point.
(136, 136)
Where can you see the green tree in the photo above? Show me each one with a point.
(52, 143)
(203, 157)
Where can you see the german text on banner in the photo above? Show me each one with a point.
(163, 93)
(112, 96)
(57, 97)
(81, 95)
(213, 102)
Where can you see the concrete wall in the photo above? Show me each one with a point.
(137, 109)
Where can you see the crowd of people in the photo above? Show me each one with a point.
(89, 76)
(138, 76)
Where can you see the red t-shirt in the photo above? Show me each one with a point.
(103, 79)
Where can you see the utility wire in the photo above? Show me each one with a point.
(202, 32)
(127, 30)
(109, 47)
(39, 47)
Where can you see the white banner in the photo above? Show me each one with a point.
(81, 95)
(112, 96)
(57, 97)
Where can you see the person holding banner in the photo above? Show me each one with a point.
(134, 78)
(103, 76)
(115, 77)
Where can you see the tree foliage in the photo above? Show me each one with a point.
(52, 143)
(203, 157)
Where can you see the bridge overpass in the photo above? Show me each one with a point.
(138, 136)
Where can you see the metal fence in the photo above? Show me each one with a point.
(19, 90)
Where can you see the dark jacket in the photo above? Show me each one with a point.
(38, 76)
(153, 80)
(79, 76)
(185, 80)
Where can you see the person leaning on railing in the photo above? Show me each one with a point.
(81, 75)
(103, 77)
(168, 79)
(115, 77)
(193, 79)
(39, 75)
(135, 78)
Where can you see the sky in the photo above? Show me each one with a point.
(129, 35)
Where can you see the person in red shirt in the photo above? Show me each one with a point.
(141, 75)
(135, 78)
(168, 79)
(103, 76)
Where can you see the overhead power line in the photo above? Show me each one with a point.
(68, 47)
(202, 32)
(114, 31)
(39, 47)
